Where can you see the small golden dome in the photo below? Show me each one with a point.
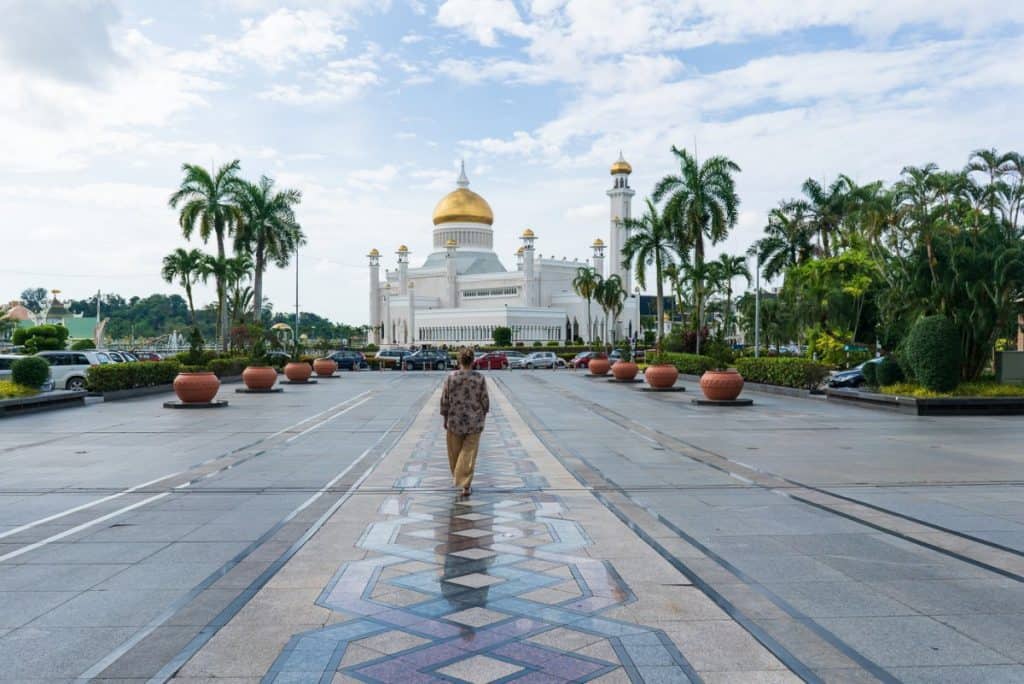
(621, 166)
(463, 205)
(374, 252)
(520, 251)
(528, 233)
(598, 243)
(403, 248)
(451, 243)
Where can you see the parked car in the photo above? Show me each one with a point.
(67, 368)
(541, 359)
(427, 359)
(491, 361)
(349, 360)
(147, 356)
(851, 378)
(392, 357)
(121, 356)
(515, 358)
(7, 360)
(582, 360)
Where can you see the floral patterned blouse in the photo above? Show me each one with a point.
(464, 402)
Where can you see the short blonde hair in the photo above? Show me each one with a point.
(466, 357)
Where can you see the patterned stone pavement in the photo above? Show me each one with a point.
(528, 580)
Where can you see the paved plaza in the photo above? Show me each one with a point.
(613, 535)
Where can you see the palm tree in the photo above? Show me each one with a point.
(825, 209)
(587, 283)
(268, 231)
(703, 204)
(187, 267)
(236, 271)
(611, 296)
(208, 206)
(651, 242)
(787, 241)
(724, 271)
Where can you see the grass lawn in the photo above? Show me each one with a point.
(981, 388)
(9, 390)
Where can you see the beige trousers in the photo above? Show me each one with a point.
(462, 457)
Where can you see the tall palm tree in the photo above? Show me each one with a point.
(587, 283)
(825, 209)
(703, 204)
(652, 242)
(208, 206)
(787, 241)
(187, 267)
(268, 230)
(611, 296)
(724, 271)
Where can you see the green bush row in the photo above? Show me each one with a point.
(785, 372)
(111, 377)
(690, 364)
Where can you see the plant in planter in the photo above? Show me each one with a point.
(259, 374)
(721, 383)
(194, 384)
(625, 368)
(661, 373)
(298, 370)
(598, 366)
(325, 366)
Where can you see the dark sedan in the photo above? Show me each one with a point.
(349, 360)
(427, 359)
(851, 378)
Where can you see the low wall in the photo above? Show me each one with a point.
(767, 389)
(953, 406)
(42, 402)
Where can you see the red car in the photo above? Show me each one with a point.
(147, 356)
(582, 360)
(491, 361)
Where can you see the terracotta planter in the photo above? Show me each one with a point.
(721, 385)
(661, 376)
(625, 370)
(259, 377)
(325, 367)
(196, 388)
(298, 371)
(599, 366)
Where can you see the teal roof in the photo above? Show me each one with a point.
(78, 328)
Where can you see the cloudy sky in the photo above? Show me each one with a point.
(367, 106)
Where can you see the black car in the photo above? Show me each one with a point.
(349, 360)
(427, 359)
(851, 378)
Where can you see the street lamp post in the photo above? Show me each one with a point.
(757, 305)
(296, 294)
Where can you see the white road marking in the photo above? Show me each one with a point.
(325, 422)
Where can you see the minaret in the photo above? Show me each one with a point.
(598, 248)
(403, 270)
(375, 321)
(412, 313)
(388, 333)
(529, 283)
(453, 276)
(621, 196)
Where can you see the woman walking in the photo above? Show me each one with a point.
(464, 405)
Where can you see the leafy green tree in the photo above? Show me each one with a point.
(502, 336)
(652, 242)
(825, 208)
(269, 231)
(34, 298)
(787, 241)
(41, 338)
(611, 296)
(187, 266)
(586, 284)
(726, 269)
(208, 206)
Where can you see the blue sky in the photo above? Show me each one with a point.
(368, 106)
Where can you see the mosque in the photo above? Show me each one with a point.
(462, 291)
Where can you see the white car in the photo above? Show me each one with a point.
(67, 368)
(515, 359)
(541, 359)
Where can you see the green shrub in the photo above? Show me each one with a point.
(82, 345)
(783, 371)
(870, 371)
(502, 336)
(227, 366)
(933, 351)
(111, 377)
(371, 347)
(689, 364)
(41, 338)
(887, 371)
(553, 343)
(31, 371)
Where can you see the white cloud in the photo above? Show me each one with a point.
(482, 19)
(336, 81)
(377, 179)
(287, 36)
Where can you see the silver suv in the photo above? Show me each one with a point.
(68, 367)
(541, 359)
(7, 360)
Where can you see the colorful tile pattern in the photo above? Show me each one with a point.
(490, 588)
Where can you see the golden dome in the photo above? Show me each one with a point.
(598, 243)
(403, 248)
(528, 233)
(520, 251)
(374, 252)
(464, 205)
(621, 166)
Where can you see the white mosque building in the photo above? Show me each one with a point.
(462, 292)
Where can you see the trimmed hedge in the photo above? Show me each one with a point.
(888, 372)
(933, 351)
(31, 371)
(111, 377)
(870, 371)
(228, 366)
(690, 364)
(785, 372)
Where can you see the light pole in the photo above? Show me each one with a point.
(296, 294)
(757, 305)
